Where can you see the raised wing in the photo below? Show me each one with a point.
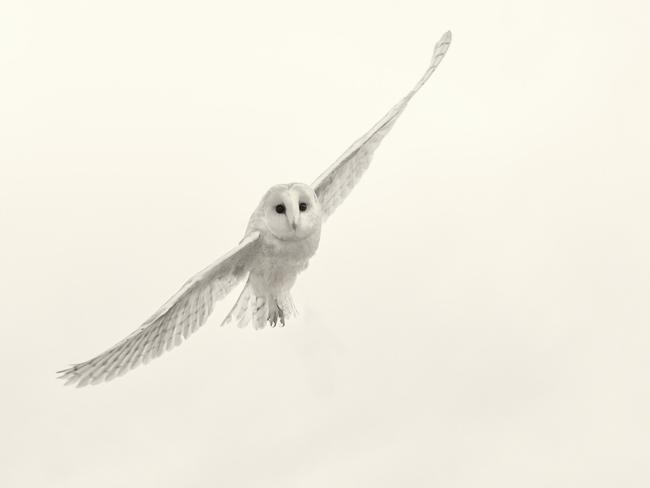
(179, 317)
(338, 180)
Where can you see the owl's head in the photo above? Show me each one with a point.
(291, 212)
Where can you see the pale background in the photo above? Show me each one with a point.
(477, 314)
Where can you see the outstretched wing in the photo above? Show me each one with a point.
(179, 317)
(338, 180)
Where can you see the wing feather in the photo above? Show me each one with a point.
(335, 184)
(176, 320)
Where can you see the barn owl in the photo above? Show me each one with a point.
(282, 235)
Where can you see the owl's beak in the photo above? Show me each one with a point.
(294, 224)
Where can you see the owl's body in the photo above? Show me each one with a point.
(279, 262)
(282, 254)
(275, 273)
(283, 233)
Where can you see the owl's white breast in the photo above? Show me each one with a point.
(280, 261)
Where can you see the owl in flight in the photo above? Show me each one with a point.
(281, 236)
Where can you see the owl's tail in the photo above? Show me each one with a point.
(260, 310)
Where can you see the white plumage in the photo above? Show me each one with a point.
(282, 235)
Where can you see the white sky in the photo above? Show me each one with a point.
(477, 313)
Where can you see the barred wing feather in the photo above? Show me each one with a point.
(179, 317)
(335, 184)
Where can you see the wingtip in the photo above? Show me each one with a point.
(440, 49)
(444, 40)
(68, 376)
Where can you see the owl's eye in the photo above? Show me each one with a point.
(280, 209)
(302, 206)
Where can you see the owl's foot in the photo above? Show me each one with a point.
(276, 314)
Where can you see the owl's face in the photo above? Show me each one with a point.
(291, 212)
